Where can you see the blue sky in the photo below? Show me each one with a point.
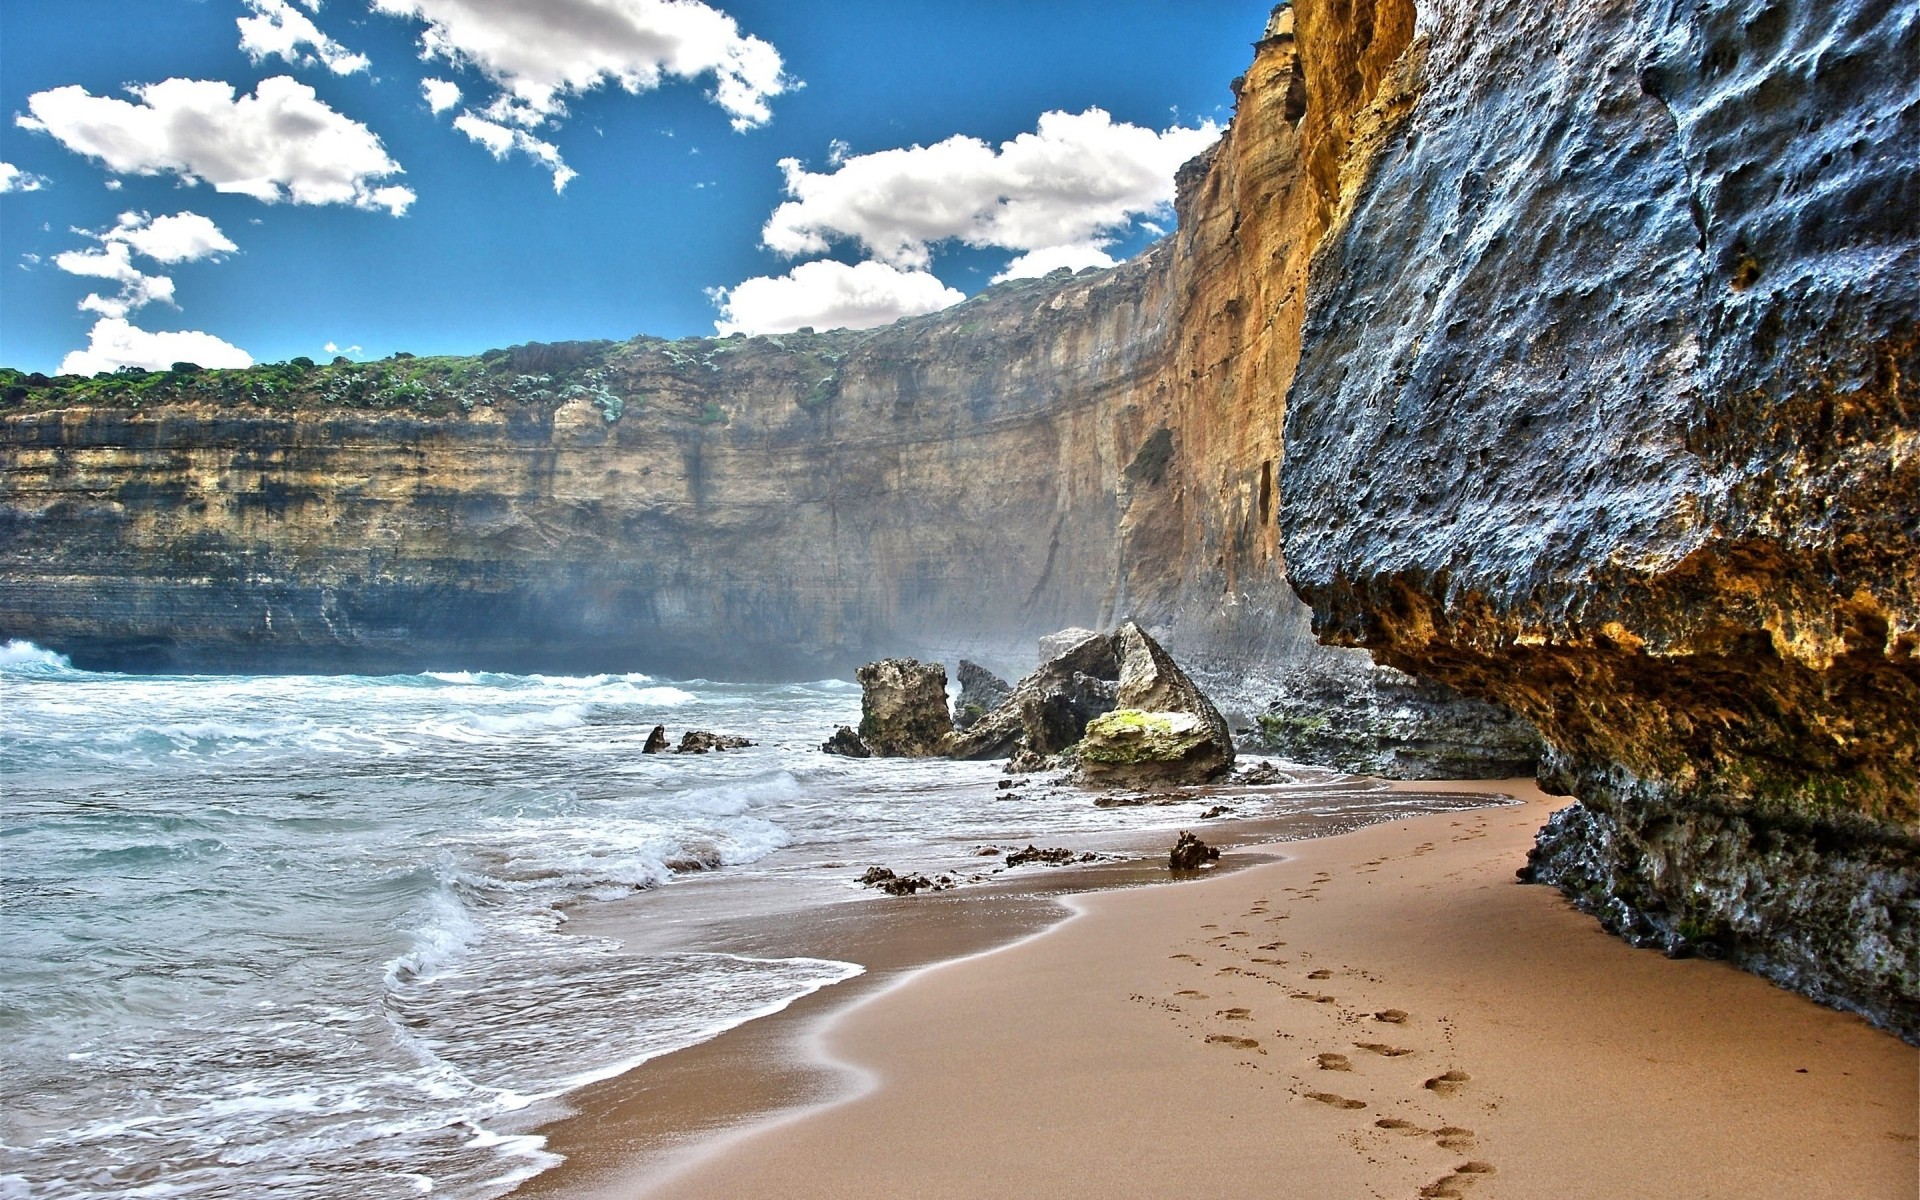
(300, 190)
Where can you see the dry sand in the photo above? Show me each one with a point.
(1383, 1014)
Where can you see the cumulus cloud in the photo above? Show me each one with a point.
(280, 144)
(182, 237)
(114, 343)
(278, 29)
(539, 54)
(1035, 263)
(830, 295)
(13, 179)
(441, 94)
(500, 140)
(1066, 189)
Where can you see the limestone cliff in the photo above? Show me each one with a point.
(1604, 411)
(1067, 451)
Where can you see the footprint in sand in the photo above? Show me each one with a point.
(1391, 1016)
(1382, 1049)
(1453, 1186)
(1328, 1098)
(1235, 1014)
(1190, 958)
(1191, 992)
(1333, 1062)
(1398, 1126)
(1322, 973)
(1452, 1137)
(1311, 996)
(1238, 1043)
(1447, 1084)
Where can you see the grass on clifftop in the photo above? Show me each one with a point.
(606, 374)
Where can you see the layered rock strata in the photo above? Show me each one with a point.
(1073, 450)
(1604, 412)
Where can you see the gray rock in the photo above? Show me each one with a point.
(1053, 645)
(1049, 709)
(981, 691)
(903, 708)
(700, 741)
(846, 743)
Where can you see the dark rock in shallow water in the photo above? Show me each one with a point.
(902, 885)
(981, 691)
(1190, 853)
(700, 741)
(847, 743)
(1053, 856)
(903, 708)
(656, 741)
(1163, 729)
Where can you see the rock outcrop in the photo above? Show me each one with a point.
(846, 743)
(1604, 412)
(1189, 853)
(981, 691)
(703, 741)
(1048, 711)
(903, 708)
(1162, 729)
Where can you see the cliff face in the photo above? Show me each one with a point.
(1068, 451)
(1604, 411)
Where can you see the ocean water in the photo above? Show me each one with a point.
(307, 936)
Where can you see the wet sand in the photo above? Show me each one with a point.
(1383, 1013)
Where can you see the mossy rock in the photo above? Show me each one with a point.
(1131, 744)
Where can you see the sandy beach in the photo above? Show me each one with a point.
(1384, 1013)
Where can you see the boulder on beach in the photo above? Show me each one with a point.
(1190, 853)
(1162, 729)
(981, 691)
(846, 743)
(1049, 709)
(1053, 645)
(903, 708)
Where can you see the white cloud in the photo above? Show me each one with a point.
(13, 179)
(280, 144)
(539, 54)
(441, 94)
(182, 237)
(276, 28)
(114, 343)
(500, 140)
(1035, 263)
(830, 295)
(114, 262)
(1073, 183)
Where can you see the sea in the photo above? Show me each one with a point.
(308, 936)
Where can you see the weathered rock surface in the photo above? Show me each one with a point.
(1604, 412)
(1049, 709)
(903, 708)
(701, 741)
(1401, 727)
(981, 691)
(1190, 853)
(846, 743)
(1162, 730)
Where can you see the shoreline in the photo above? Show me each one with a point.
(1069, 1057)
